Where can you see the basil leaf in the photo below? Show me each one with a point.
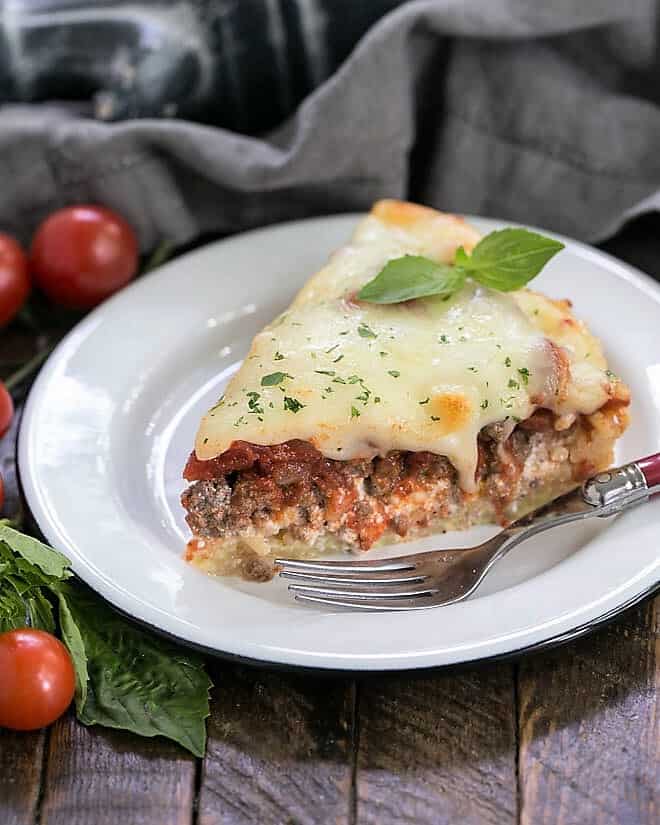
(29, 610)
(72, 638)
(45, 558)
(509, 258)
(40, 612)
(136, 680)
(23, 602)
(411, 276)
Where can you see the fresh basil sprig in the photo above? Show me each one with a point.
(126, 677)
(504, 260)
(23, 593)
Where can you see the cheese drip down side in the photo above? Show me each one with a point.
(358, 380)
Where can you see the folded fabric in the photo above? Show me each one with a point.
(545, 114)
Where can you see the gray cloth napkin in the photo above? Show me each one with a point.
(542, 113)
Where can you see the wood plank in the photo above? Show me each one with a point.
(438, 750)
(590, 729)
(279, 749)
(21, 759)
(109, 777)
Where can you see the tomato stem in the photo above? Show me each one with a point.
(28, 368)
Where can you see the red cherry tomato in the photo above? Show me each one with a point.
(82, 254)
(14, 278)
(6, 409)
(38, 679)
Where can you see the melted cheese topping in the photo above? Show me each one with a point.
(358, 379)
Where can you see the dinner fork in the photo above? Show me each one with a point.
(435, 578)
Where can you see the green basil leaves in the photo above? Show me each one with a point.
(126, 677)
(504, 260)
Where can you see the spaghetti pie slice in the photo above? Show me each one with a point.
(351, 423)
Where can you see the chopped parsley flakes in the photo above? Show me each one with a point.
(292, 404)
(274, 378)
(355, 413)
(365, 331)
(394, 373)
(507, 361)
(524, 374)
(253, 403)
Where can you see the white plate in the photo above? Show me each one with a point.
(111, 420)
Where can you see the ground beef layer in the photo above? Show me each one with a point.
(254, 503)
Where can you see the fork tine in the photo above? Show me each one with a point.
(384, 577)
(359, 590)
(373, 566)
(373, 605)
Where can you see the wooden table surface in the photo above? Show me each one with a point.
(570, 736)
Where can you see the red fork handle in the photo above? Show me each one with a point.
(650, 467)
